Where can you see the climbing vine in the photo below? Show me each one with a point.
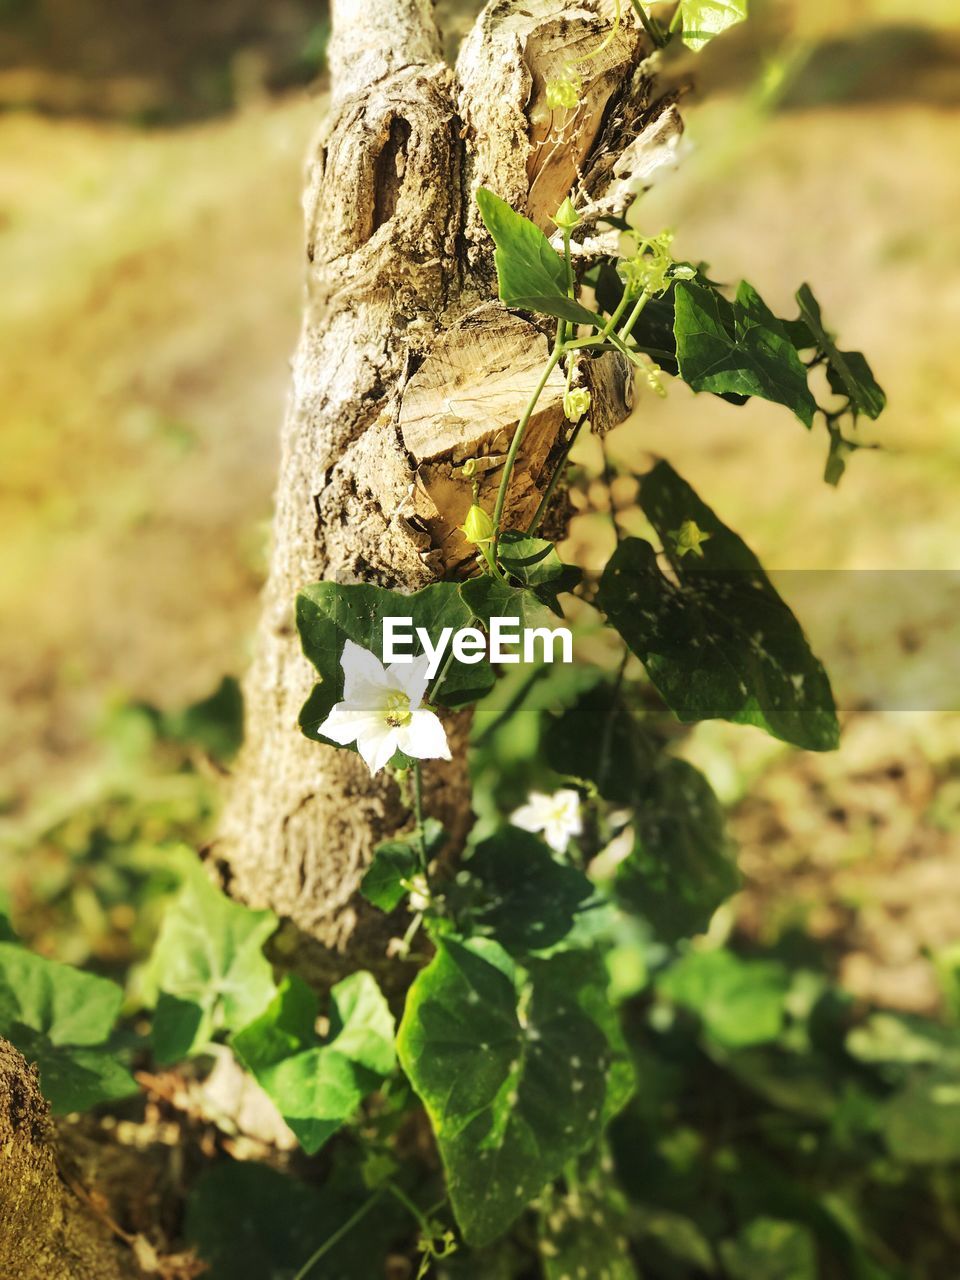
(542, 1054)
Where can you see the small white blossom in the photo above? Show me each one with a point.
(381, 710)
(557, 816)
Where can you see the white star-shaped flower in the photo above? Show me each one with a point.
(381, 710)
(557, 816)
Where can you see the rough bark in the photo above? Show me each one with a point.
(404, 368)
(46, 1231)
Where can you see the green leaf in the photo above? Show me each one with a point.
(523, 897)
(848, 371)
(534, 563)
(62, 1020)
(704, 19)
(768, 1249)
(583, 1233)
(921, 1123)
(329, 614)
(682, 865)
(208, 967)
(738, 347)
(898, 1039)
(739, 1002)
(598, 740)
(395, 861)
(512, 1071)
(7, 931)
(214, 723)
(720, 643)
(318, 1084)
(531, 273)
(249, 1222)
(489, 597)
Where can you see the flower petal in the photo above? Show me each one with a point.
(533, 815)
(411, 677)
(378, 746)
(423, 737)
(345, 723)
(362, 673)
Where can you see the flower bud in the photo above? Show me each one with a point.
(689, 538)
(477, 527)
(566, 217)
(469, 469)
(576, 403)
(563, 93)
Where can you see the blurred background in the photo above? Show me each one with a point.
(151, 258)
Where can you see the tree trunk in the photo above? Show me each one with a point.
(46, 1231)
(406, 367)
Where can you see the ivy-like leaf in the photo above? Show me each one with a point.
(208, 967)
(720, 643)
(531, 273)
(490, 597)
(583, 1233)
(62, 1019)
(512, 1070)
(599, 740)
(738, 347)
(214, 723)
(534, 562)
(317, 1083)
(848, 371)
(704, 19)
(394, 862)
(739, 1002)
(249, 1222)
(329, 614)
(682, 864)
(522, 896)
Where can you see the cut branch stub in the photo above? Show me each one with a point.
(464, 403)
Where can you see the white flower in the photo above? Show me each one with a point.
(557, 816)
(381, 710)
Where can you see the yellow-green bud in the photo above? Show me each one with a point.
(566, 217)
(469, 468)
(478, 527)
(689, 538)
(563, 93)
(576, 403)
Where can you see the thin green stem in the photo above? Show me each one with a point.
(418, 814)
(555, 478)
(650, 24)
(338, 1235)
(614, 320)
(676, 19)
(410, 1207)
(515, 443)
(627, 328)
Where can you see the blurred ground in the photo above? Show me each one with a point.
(151, 293)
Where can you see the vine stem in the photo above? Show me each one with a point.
(555, 478)
(651, 27)
(418, 814)
(361, 1213)
(515, 443)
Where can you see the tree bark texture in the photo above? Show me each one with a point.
(46, 1231)
(407, 366)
